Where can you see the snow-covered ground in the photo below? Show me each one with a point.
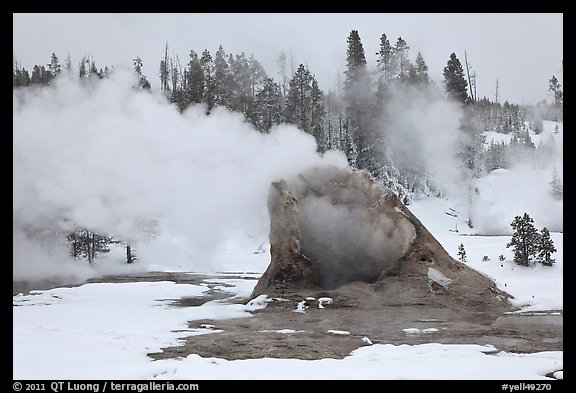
(535, 288)
(104, 331)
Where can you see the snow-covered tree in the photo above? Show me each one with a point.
(555, 88)
(142, 82)
(401, 54)
(54, 66)
(195, 80)
(385, 60)
(461, 253)
(268, 106)
(207, 64)
(557, 189)
(222, 78)
(546, 248)
(525, 240)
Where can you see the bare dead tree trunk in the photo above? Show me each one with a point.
(129, 258)
(470, 85)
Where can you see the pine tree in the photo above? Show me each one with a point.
(546, 248)
(401, 54)
(82, 72)
(557, 189)
(421, 71)
(525, 240)
(36, 75)
(240, 84)
(268, 106)
(299, 99)
(360, 111)
(257, 76)
(221, 78)
(142, 81)
(461, 253)
(68, 63)
(385, 60)
(318, 112)
(209, 79)
(54, 66)
(554, 87)
(454, 82)
(195, 80)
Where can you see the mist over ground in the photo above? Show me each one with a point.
(422, 134)
(126, 163)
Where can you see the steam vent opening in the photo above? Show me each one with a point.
(345, 243)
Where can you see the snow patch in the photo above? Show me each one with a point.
(434, 276)
(338, 332)
(283, 331)
(324, 301)
(301, 307)
(413, 331)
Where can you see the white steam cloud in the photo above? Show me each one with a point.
(123, 162)
(422, 135)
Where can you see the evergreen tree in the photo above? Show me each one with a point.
(257, 76)
(401, 54)
(355, 63)
(54, 66)
(241, 84)
(68, 63)
(94, 70)
(361, 146)
(268, 106)
(209, 79)
(557, 189)
(318, 112)
(525, 240)
(221, 78)
(299, 99)
(554, 87)
(385, 60)
(454, 81)
(305, 105)
(461, 253)
(36, 77)
(82, 71)
(195, 80)
(142, 81)
(546, 248)
(333, 120)
(421, 71)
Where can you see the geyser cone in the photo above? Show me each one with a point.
(331, 227)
